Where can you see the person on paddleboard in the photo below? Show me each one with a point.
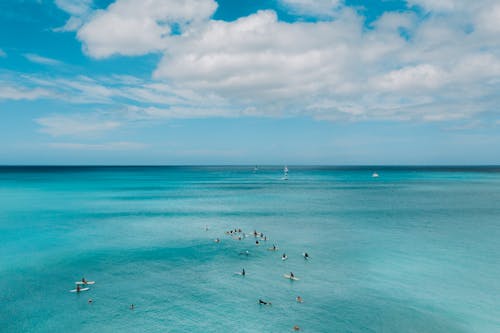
(291, 275)
(78, 288)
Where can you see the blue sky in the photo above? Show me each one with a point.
(249, 82)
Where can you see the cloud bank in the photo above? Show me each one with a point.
(440, 62)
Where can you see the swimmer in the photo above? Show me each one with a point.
(306, 255)
(299, 299)
(132, 306)
(296, 328)
(217, 240)
(284, 256)
(256, 242)
(90, 301)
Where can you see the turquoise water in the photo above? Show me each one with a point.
(415, 250)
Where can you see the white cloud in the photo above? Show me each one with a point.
(42, 60)
(136, 27)
(438, 66)
(75, 125)
(22, 93)
(112, 146)
(79, 10)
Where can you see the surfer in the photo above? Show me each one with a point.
(84, 281)
(291, 275)
(78, 288)
(306, 255)
(284, 256)
(261, 302)
(243, 272)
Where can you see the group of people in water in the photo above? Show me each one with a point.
(238, 234)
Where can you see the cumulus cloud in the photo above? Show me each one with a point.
(136, 27)
(405, 65)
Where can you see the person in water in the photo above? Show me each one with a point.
(78, 288)
(284, 256)
(132, 306)
(256, 242)
(264, 302)
(243, 272)
(291, 275)
(84, 281)
(306, 255)
(296, 328)
(299, 299)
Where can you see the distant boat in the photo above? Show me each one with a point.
(285, 173)
(375, 175)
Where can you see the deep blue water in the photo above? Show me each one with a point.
(415, 250)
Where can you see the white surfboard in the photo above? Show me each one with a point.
(87, 282)
(287, 276)
(82, 289)
(240, 273)
(284, 258)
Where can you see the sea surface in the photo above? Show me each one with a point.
(414, 250)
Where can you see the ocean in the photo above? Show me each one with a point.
(415, 250)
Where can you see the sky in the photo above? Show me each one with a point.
(170, 82)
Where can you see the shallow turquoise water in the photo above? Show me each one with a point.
(415, 250)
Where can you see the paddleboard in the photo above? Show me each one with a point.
(287, 276)
(74, 290)
(239, 273)
(88, 282)
(271, 249)
(284, 258)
